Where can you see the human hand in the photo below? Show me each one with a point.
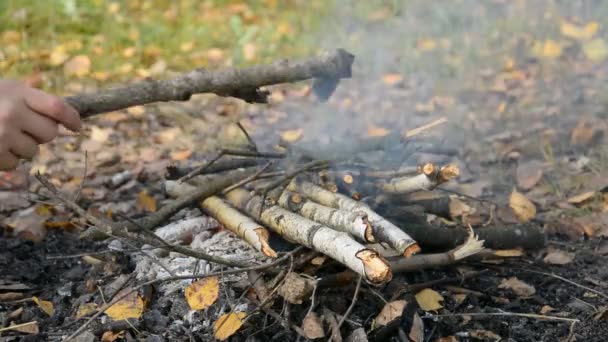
(29, 117)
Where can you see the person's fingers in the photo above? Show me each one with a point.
(39, 127)
(54, 107)
(24, 146)
(8, 161)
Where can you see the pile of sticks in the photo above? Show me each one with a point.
(320, 197)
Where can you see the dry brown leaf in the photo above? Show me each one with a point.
(313, 326)
(546, 309)
(581, 198)
(519, 287)
(296, 288)
(249, 51)
(29, 225)
(227, 325)
(203, 293)
(168, 135)
(522, 207)
(390, 312)
(558, 257)
(181, 155)
(528, 174)
(10, 296)
(392, 79)
(458, 208)
(377, 131)
(416, 333)
(292, 135)
(429, 300)
(459, 297)
(146, 202)
(100, 134)
(583, 134)
(26, 328)
(77, 66)
(110, 336)
(132, 306)
(86, 309)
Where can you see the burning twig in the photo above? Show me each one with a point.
(239, 83)
(295, 228)
(353, 223)
(232, 219)
(384, 231)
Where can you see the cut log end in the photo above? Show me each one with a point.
(263, 237)
(427, 169)
(348, 179)
(377, 269)
(447, 173)
(411, 250)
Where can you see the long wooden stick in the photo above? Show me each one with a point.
(240, 83)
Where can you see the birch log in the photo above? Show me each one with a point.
(354, 223)
(326, 69)
(295, 228)
(242, 225)
(430, 176)
(383, 230)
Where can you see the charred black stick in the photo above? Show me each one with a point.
(240, 83)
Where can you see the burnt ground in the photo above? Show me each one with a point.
(518, 119)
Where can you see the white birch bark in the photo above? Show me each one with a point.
(238, 223)
(354, 223)
(295, 228)
(383, 230)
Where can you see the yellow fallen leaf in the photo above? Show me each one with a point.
(551, 49)
(292, 135)
(46, 306)
(203, 293)
(508, 253)
(146, 202)
(11, 37)
(596, 50)
(186, 46)
(77, 66)
(58, 56)
(132, 306)
(522, 207)
(574, 31)
(426, 45)
(85, 310)
(429, 300)
(548, 49)
(227, 325)
(581, 198)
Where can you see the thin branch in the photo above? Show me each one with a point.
(514, 314)
(352, 303)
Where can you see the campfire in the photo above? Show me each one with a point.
(325, 200)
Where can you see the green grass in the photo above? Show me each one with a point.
(124, 39)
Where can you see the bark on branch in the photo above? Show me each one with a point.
(337, 245)
(241, 225)
(383, 230)
(326, 69)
